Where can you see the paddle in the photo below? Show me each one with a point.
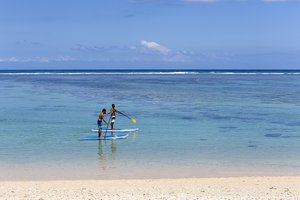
(132, 119)
(107, 125)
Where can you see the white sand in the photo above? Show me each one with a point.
(198, 188)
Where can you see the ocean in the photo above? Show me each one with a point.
(192, 123)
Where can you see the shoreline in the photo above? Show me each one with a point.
(258, 187)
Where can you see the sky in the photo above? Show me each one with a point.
(150, 34)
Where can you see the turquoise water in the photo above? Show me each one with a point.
(193, 124)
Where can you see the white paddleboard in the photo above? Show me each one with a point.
(116, 130)
(108, 137)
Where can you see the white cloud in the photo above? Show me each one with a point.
(159, 52)
(153, 46)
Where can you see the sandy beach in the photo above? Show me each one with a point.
(198, 188)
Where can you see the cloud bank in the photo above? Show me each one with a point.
(14, 59)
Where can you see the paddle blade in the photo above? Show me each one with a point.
(133, 120)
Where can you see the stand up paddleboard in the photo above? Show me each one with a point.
(116, 130)
(108, 137)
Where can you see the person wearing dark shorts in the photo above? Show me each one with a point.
(113, 112)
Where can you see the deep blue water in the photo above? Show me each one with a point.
(191, 123)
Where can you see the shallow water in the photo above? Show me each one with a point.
(191, 124)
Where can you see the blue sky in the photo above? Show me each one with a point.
(109, 34)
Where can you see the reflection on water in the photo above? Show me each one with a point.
(105, 156)
(101, 155)
(107, 153)
(113, 148)
(134, 136)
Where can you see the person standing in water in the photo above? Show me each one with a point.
(113, 112)
(100, 119)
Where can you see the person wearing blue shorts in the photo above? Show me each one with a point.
(99, 122)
